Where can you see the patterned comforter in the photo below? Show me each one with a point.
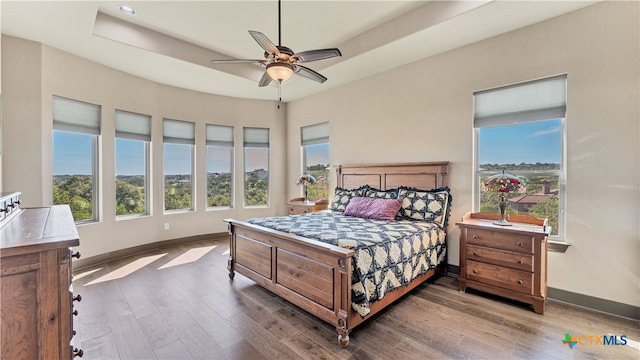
(388, 255)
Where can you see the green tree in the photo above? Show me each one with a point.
(547, 210)
(129, 198)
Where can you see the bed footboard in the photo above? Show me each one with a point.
(310, 274)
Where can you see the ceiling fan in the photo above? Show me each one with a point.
(281, 62)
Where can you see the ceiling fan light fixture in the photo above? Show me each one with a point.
(280, 71)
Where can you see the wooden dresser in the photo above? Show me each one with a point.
(509, 261)
(36, 295)
(297, 206)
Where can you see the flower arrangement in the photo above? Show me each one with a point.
(503, 183)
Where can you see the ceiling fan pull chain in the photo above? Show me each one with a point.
(279, 93)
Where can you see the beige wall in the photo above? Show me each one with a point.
(419, 112)
(33, 73)
(423, 112)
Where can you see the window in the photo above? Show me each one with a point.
(133, 136)
(521, 129)
(76, 127)
(179, 140)
(256, 166)
(315, 158)
(219, 165)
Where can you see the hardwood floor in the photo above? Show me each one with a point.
(178, 303)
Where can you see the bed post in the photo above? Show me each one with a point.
(232, 250)
(342, 290)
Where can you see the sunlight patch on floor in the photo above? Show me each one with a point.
(86, 273)
(190, 256)
(127, 269)
(227, 252)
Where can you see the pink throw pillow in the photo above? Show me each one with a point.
(372, 208)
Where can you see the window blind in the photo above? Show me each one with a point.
(178, 132)
(315, 134)
(542, 99)
(133, 126)
(219, 135)
(256, 137)
(76, 116)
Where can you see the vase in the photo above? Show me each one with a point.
(502, 204)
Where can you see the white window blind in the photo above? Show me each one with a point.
(543, 99)
(133, 126)
(219, 135)
(178, 132)
(256, 137)
(76, 116)
(315, 134)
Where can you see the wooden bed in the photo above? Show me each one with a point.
(317, 276)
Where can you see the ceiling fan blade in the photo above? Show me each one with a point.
(239, 61)
(264, 42)
(264, 80)
(309, 74)
(315, 55)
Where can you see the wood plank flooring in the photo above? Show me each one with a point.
(178, 303)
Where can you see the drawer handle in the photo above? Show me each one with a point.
(475, 236)
(77, 298)
(475, 253)
(520, 282)
(519, 261)
(75, 312)
(78, 352)
(520, 243)
(475, 271)
(76, 255)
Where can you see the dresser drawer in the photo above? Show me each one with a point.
(500, 240)
(516, 280)
(509, 259)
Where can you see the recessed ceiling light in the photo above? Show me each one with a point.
(127, 10)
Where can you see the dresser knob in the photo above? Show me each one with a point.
(520, 282)
(73, 333)
(520, 243)
(75, 312)
(519, 261)
(475, 271)
(76, 255)
(475, 236)
(77, 298)
(78, 352)
(475, 253)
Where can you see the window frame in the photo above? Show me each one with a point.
(192, 154)
(547, 110)
(147, 165)
(244, 166)
(91, 128)
(231, 169)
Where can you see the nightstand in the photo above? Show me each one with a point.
(508, 261)
(297, 206)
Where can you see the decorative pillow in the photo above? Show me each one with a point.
(381, 194)
(372, 208)
(342, 197)
(426, 205)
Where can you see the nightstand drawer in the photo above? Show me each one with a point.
(500, 240)
(516, 280)
(297, 210)
(509, 259)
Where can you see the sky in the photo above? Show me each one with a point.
(531, 142)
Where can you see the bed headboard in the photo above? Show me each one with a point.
(426, 175)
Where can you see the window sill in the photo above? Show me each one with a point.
(558, 246)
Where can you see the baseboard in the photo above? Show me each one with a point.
(585, 301)
(102, 258)
(594, 303)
